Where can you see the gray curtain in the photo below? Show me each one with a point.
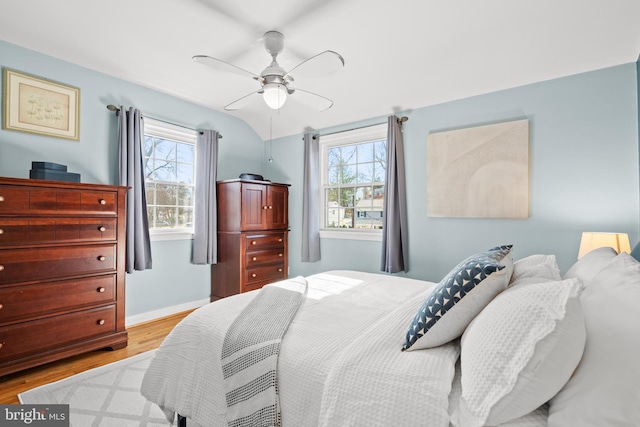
(131, 171)
(394, 222)
(310, 191)
(205, 240)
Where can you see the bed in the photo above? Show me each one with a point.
(497, 342)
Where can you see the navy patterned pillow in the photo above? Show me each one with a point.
(459, 297)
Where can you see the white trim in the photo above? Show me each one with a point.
(369, 133)
(351, 234)
(163, 312)
(159, 235)
(169, 131)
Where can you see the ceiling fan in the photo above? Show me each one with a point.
(275, 82)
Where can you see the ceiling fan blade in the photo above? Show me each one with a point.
(313, 100)
(318, 65)
(242, 102)
(223, 66)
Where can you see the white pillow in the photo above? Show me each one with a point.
(519, 352)
(535, 269)
(605, 389)
(590, 264)
(459, 297)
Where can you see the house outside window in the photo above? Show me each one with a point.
(353, 172)
(169, 157)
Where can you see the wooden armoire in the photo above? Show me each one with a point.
(253, 225)
(62, 275)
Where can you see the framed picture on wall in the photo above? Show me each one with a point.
(36, 105)
(479, 171)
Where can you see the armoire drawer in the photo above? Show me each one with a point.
(265, 256)
(29, 264)
(270, 272)
(20, 231)
(35, 200)
(56, 331)
(22, 302)
(260, 241)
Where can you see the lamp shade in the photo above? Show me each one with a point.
(592, 240)
(274, 95)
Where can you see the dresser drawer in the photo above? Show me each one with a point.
(56, 331)
(34, 200)
(265, 256)
(265, 273)
(23, 302)
(30, 264)
(260, 241)
(14, 231)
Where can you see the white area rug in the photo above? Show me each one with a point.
(104, 397)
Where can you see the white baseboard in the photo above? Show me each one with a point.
(167, 311)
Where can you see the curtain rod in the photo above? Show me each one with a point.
(115, 109)
(401, 120)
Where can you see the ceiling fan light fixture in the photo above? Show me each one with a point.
(275, 95)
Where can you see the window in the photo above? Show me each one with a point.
(169, 176)
(353, 167)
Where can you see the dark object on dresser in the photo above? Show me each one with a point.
(62, 280)
(251, 176)
(253, 222)
(52, 171)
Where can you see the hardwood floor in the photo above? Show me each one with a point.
(142, 337)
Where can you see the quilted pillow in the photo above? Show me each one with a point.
(605, 389)
(519, 352)
(459, 297)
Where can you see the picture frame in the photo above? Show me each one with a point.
(41, 106)
(479, 171)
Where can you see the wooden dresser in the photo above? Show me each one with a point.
(253, 222)
(62, 278)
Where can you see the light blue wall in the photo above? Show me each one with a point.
(173, 279)
(583, 165)
(583, 175)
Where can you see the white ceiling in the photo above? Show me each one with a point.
(399, 55)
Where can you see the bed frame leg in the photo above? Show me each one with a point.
(182, 421)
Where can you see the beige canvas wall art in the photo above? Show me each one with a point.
(479, 172)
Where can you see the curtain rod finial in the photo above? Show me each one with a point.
(112, 107)
(404, 119)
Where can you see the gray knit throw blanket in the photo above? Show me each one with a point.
(250, 354)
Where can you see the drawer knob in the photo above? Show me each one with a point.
(279, 254)
(1, 231)
(102, 228)
(103, 202)
(270, 207)
(253, 242)
(1, 198)
(280, 270)
(1, 344)
(255, 258)
(254, 275)
(280, 239)
(101, 289)
(1, 267)
(1, 306)
(264, 207)
(102, 258)
(101, 322)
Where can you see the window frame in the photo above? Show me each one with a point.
(164, 130)
(355, 136)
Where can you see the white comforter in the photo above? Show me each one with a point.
(340, 363)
